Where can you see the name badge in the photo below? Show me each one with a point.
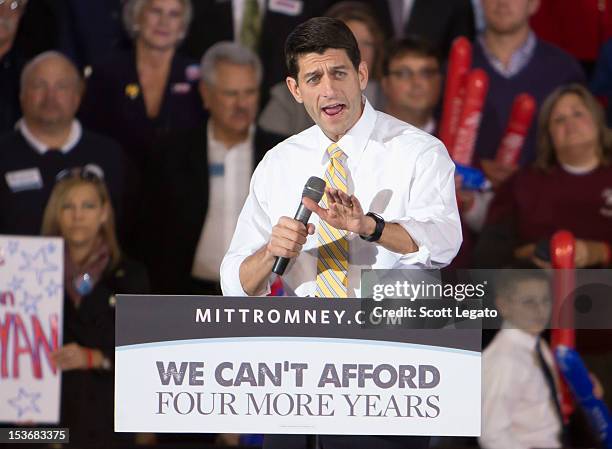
(287, 7)
(26, 179)
(216, 169)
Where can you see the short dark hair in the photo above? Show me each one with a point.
(318, 35)
(413, 45)
(508, 280)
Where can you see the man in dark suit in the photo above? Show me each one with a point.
(438, 21)
(197, 180)
(218, 20)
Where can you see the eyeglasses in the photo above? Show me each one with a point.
(12, 5)
(408, 75)
(89, 172)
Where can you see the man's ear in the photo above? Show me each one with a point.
(363, 75)
(293, 87)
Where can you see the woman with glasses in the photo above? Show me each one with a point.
(95, 270)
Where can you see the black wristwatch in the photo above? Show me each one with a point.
(378, 230)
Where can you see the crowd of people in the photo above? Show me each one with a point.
(131, 128)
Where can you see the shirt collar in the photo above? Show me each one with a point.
(519, 59)
(76, 131)
(211, 137)
(519, 336)
(353, 143)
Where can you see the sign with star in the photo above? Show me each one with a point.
(31, 307)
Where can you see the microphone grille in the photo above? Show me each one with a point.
(314, 189)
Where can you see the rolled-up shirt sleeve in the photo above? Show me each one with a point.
(433, 218)
(253, 230)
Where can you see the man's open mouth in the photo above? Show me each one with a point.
(333, 109)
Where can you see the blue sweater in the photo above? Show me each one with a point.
(549, 68)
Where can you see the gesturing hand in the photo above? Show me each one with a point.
(344, 212)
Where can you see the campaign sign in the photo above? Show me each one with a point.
(288, 365)
(31, 304)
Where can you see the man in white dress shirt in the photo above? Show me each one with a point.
(393, 169)
(371, 162)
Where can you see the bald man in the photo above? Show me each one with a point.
(47, 141)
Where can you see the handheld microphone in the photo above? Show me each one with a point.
(314, 189)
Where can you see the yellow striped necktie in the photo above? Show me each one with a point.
(332, 263)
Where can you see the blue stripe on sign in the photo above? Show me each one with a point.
(216, 169)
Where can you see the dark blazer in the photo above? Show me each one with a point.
(87, 395)
(439, 21)
(213, 22)
(114, 105)
(175, 205)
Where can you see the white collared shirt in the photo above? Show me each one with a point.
(76, 131)
(517, 411)
(229, 173)
(394, 169)
(519, 59)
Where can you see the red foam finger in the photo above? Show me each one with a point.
(460, 61)
(521, 117)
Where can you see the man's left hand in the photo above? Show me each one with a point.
(345, 212)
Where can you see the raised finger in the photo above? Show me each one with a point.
(335, 194)
(357, 209)
(345, 199)
(331, 195)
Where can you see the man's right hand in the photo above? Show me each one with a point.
(286, 240)
(288, 237)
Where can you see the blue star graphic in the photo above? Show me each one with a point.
(15, 284)
(37, 263)
(25, 402)
(52, 288)
(29, 303)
